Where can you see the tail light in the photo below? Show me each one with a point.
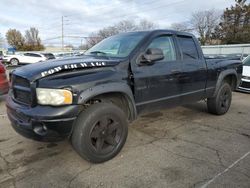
(2, 68)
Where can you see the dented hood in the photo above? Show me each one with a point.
(39, 70)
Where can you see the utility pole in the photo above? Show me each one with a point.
(62, 35)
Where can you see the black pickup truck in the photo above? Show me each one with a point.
(90, 99)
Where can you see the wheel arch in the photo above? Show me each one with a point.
(229, 76)
(117, 93)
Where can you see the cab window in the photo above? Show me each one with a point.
(166, 44)
(188, 48)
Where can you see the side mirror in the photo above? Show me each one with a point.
(151, 55)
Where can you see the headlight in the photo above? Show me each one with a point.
(54, 97)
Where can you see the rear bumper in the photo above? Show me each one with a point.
(42, 123)
(4, 84)
(5, 60)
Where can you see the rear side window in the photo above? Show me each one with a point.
(49, 56)
(26, 54)
(188, 48)
(32, 55)
(35, 55)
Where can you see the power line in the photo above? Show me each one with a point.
(114, 17)
(146, 10)
(51, 38)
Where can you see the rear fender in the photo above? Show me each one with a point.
(222, 77)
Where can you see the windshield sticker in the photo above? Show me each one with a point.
(72, 66)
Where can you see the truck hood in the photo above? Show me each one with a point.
(39, 70)
(246, 71)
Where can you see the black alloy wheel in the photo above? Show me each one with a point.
(221, 103)
(105, 134)
(100, 132)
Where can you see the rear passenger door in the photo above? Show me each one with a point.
(194, 71)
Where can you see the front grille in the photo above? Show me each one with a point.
(22, 96)
(245, 85)
(21, 90)
(21, 81)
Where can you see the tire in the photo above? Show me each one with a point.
(221, 103)
(14, 61)
(100, 132)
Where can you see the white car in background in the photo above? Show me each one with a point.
(245, 80)
(25, 58)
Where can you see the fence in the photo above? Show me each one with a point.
(227, 49)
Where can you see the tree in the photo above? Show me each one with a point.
(15, 38)
(234, 27)
(204, 24)
(146, 25)
(92, 40)
(32, 40)
(120, 27)
(182, 26)
(83, 47)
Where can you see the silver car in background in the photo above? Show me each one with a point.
(245, 81)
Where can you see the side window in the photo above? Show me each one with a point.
(34, 55)
(166, 44)
(188, 48)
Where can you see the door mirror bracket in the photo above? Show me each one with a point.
(151, 55)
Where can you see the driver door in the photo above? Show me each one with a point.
(157, 85)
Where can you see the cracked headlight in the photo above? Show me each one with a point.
(54, 97)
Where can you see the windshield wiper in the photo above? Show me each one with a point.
(98, 52)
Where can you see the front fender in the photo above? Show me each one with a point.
(115, 87)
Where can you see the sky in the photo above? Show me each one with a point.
(83, 17)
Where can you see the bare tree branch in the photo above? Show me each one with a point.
(204, 24)
(120, 27)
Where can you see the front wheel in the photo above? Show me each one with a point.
(100, 132)
(221, 103)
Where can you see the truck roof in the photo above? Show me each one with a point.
(160, 31)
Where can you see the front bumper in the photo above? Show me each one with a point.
(244, 86)
(42, 123)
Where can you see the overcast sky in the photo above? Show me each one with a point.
(83, 17)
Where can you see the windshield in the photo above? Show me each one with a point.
(247, 61)
(117, 46)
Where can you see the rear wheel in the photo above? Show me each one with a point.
(221, 103)
(100, 132)
(14, 61)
